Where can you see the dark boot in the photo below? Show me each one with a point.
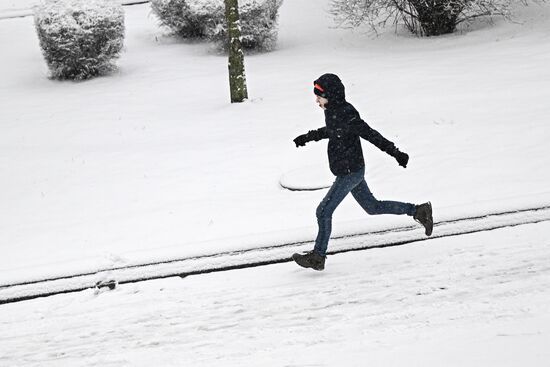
(310, 260)
(423, 216)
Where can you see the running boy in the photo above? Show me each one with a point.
(344, 128)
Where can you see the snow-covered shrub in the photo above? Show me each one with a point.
(422, 17)
(188, 18)
(258, 25)
(80, 39)
(206, 19)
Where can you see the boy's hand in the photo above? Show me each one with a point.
(402, 158)
(301, 140)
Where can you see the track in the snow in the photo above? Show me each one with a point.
(263, 255)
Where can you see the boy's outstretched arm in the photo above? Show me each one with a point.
(312, 135)
(374, 137)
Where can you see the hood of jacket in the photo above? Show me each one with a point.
(334, 90)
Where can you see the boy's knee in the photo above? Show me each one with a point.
(373, 209)
(320, 212)
(323, 212)
(374, 206)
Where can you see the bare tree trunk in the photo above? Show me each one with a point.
(237, 77)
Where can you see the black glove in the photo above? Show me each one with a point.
(301, 140)
(402, 158)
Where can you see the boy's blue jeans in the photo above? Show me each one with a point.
(356, 184)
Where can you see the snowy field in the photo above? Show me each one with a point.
(470, 301)
(153, 163)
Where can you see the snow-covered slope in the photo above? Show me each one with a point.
(476, 300)
(153, 162)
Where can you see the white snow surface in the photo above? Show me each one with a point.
(474, 300)
(153, 162)
(310, 177)
(24, 8)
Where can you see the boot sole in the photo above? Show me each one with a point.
(429, 229)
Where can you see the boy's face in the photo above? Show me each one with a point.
(322, 102)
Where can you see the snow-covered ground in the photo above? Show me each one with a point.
(23, 8)
(475, 300)
(154, 163)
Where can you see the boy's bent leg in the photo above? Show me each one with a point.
(371, 205)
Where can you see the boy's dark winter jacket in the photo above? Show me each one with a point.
(343, 129)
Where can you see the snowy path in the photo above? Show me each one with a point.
(473, 300)
(130, 273)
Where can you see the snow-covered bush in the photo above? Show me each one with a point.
(188, 18)
(80, 39)
(206, 19)
(422, 17)
(258, 25)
